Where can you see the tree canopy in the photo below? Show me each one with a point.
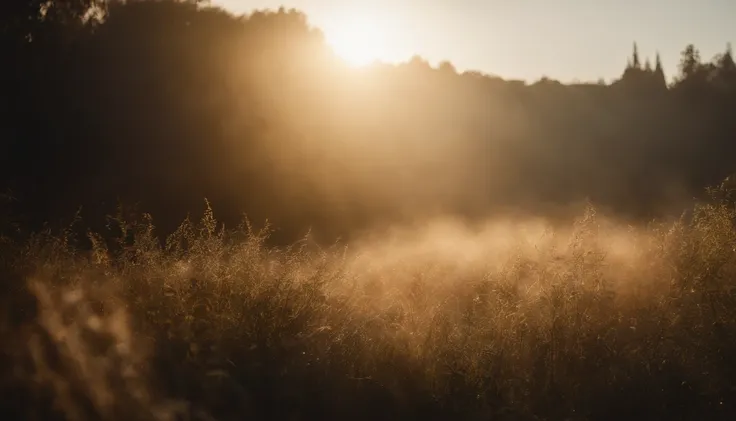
(163, 103)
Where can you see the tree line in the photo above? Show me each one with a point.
(162, 103)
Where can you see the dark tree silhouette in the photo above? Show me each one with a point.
(690, 64)
(163, 103)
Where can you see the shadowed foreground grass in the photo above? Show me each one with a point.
(510, 321)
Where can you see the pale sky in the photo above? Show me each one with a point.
(528, 39)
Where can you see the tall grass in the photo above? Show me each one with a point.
(512, 320)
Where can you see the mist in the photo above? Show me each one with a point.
(215, 217)
(160, 104)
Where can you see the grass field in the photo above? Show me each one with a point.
(514, 320)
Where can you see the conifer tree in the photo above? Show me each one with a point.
(635, 58)
(659, 77)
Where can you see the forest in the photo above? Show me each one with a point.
(162, 104)
(211, 216)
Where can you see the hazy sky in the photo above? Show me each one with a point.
(526, 39)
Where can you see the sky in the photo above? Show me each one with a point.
(567, 40)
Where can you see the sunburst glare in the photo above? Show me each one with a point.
(359, 41)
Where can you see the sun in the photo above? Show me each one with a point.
(358, 41)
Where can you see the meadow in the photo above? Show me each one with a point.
(505, 320)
